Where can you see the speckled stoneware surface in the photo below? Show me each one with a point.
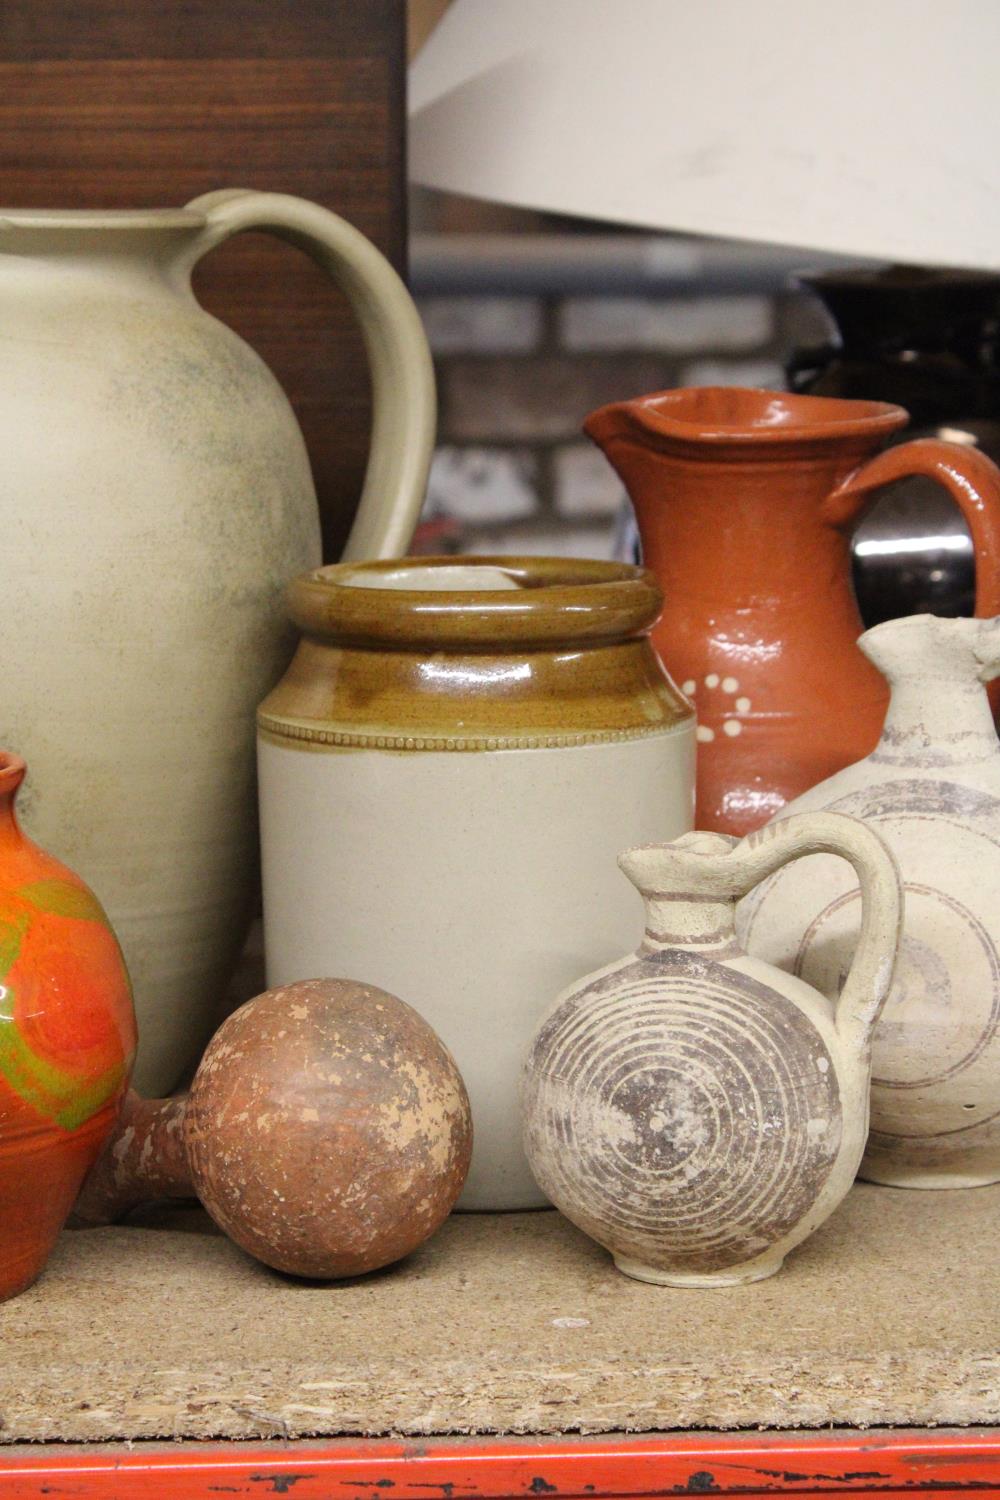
(456, 755)
(932, 790)
(156, 497)
(694, 1110)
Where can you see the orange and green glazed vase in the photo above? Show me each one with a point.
(67, 1040)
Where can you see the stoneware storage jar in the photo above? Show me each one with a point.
(931, 788)
(156, 497)
(693, 1109)
(746, 501)
(67, 1039)
(447, 770)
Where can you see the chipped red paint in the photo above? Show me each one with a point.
(861, 1464)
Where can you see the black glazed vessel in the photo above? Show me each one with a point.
(926, 340)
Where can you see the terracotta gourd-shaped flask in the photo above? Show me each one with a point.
(694, 1110)
(67, 1039)
(746, 501)
(931, 789)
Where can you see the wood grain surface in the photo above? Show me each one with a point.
(110, 105)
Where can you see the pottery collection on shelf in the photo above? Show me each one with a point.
(449, 769)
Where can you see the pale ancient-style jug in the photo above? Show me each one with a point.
(156, 498)
(746, 501)
(693, 1109)
(932, 790)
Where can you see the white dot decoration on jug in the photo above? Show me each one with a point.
(731, 712)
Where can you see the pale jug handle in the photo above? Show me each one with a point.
(970, 478)
(403, 396)
(869, 978)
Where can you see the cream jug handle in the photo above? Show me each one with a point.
(403, 397)
(699, 867)
(869, 978)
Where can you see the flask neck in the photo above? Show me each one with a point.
(937, 722)
(689, 922)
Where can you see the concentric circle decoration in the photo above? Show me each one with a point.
(682, 1113)
(936, 1046)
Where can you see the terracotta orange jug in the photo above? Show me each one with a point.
(67, 1039)
(745, 501)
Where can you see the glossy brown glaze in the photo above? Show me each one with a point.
(327, 1131)
(745, 501)
(474, 653)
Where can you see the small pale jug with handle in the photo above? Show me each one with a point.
(156, 497)
(694, 1110)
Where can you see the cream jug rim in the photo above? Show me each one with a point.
(101, 218)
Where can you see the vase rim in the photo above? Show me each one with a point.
(517, 602)
(721, 416)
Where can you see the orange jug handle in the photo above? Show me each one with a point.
(971, 479)
(402, 375)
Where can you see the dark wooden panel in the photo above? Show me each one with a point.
(112, 104)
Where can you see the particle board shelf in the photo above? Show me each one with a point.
(508, 1324)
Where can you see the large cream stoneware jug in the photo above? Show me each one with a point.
(156, 496)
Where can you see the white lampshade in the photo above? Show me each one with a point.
(866, 127)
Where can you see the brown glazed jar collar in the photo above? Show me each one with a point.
(553, 601)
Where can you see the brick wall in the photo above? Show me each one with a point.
(517, 375)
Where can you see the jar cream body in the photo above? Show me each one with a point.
(448, 772)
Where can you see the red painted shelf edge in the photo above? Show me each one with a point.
(861, 1463)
